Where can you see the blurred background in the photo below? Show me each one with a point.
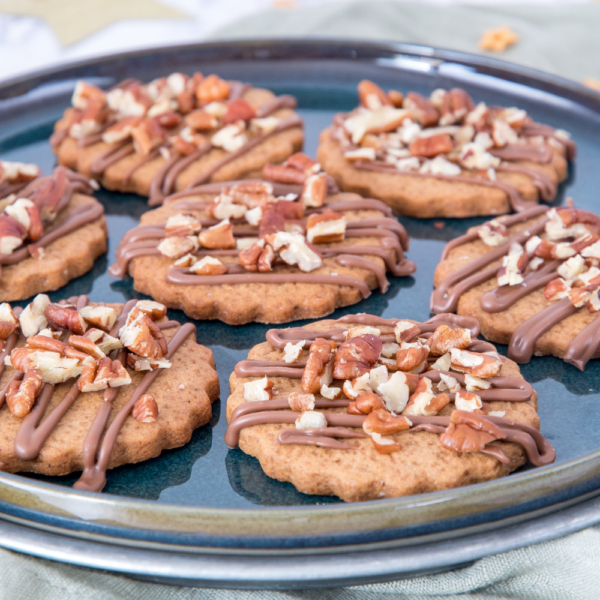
(557, 36)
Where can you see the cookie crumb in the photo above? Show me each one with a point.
(569, 202)
(439, 224)
(498, 40)
(181, 386)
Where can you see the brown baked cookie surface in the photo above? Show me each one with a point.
(444, 156)
(531, 279)
(366, 407)
(51, 229)
(270, 251)
(88, 387)
(175, 132)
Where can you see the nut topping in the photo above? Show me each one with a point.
(319, 358)
(258, 390)
(371, 96)
(110, 373)
(406, 331)
(382, 422)
(326, 227)
(422, 109)
(293, 250)
(26, 213)
(384, 445)
(314, 191)
(32, 318)
(431, 146)
(12, 234)
(145, 409)
(301, 401)
(493, 233)
(176, 246)
(154, 310)
(142, 336)
(467, 401)
(365, 403)
(218, 236)
(311, 419)
(445, 338)
(102, 317)
(356, 356)
(21, 395)
(209, 265)
(65, 317)
(105, 342)
(8, 321)
(411, 356)
(478, 365)
(182, 225)
(395, 392)
(468, 432)
(54, 367)
(424, 402)
(331, 393)
(292, 352)
(85, 345)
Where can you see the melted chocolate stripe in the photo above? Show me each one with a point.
(270, 368)
(323, 438)
(443, 298)
(502, 297)
(93, 477)
(539, 179)
(584, 346)
(541, 154)
(248, 408)
(181, 277)
(520, 348)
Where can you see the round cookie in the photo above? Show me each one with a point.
(73, 234)
(156, 153)
(343, 274)
(543, 299)
(74, 428)
(444, 156)
(335, 456)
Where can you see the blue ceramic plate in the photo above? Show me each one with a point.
(207, 498)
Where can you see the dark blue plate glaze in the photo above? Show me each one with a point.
(209, 496)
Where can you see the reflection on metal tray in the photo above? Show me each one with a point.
(210, 503)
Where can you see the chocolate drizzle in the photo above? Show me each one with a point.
(521, 346)
(144, 239)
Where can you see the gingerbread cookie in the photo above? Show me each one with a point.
(88, 386)
(270, 251)
(175, 132)
(531, 279)
(444, 156)
(366, 407)
(51, 229)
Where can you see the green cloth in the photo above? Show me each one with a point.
(559, 39)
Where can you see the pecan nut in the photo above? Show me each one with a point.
(314, 190)
(145, 409)
(65, 317)
(411, 356)
(320, 357)
(432, 145)
(301, 401)
(356, 356)
(326, 227)
(382, 422)
(142, 336)
(366, 403)
(468, 432)
(101, 317)
(21, 395)
(384, 445)
(445, 338)
(218, 236)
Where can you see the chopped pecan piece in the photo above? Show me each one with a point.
(102, 317)
(478, 365)
(145, 409)
(176, 246)
(311, 419)
(314, 190)
(318, 363)
(271, 221)
(424, 402)
(301, 401)
(258, 390)
(406, 331)
(200, 120)
(432, 145)
(209, 265)
(468, 432)
(8, 321)
(212, 89)
(54, 367)
(142, 336)
(155, 310)
(251, 193)
(445, 338)
(395, 392)
(65, 317)
(182, 224)
(86, 345)
(218, 236)
(21, 395)
(283, 174)
(238, 110)
(384, 445)
(26, 213)
(356, 356)
(467, 401)
(382, 422)
(294, 250)
(41, 342)
(304, 163)
(32, 318)
(12, 234)
(372, 96)
(411, 356)
(422, 109)
(365, 403)
(326, 227)
(109, 373)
